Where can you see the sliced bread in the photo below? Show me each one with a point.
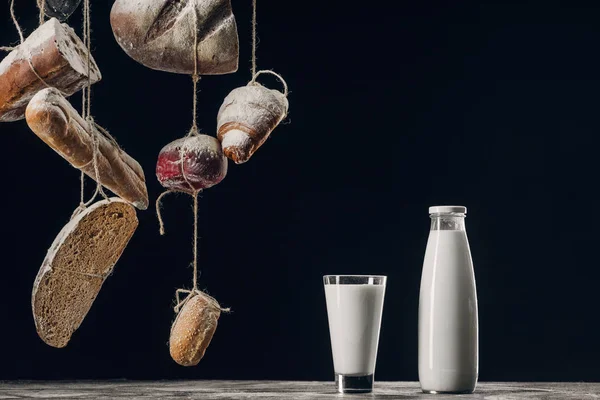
(81, 257)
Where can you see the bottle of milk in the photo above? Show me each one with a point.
(448, 327)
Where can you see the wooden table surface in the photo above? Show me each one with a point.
(213, 390)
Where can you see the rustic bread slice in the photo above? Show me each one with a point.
(193, 329)
(81, 257)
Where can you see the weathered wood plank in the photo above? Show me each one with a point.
(248, 390)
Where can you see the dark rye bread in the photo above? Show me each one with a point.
(81, 257)
(193, 329)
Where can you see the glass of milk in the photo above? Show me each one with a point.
(354, 308)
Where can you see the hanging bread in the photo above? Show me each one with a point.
(57, 56)
(52, 118)
(61, 9)
(160, 34)
(81, 257)
(246, 119)
(191, 164)
(193, 329)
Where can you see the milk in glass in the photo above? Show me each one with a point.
(354, 308)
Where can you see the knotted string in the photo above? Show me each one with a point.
(268, 71)
(194, 131)
(190, 294)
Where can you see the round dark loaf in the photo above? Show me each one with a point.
(191, 164)
(160, 34)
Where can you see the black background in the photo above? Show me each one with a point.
(394, 106)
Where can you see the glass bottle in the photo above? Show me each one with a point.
(448, 324)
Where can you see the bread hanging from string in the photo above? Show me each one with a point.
(160, 33)
(193, 329)
(191, 164)
(61, 9)
(247, 117)
(53, 56)
(77, 264)
(52, 118)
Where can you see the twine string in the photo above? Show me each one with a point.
(158, 208)
(254, 38)
(190, 294)
(194, 194)
(194, 131)
(268, 71)
(41, 4)
(195, 78)
(16, 22)
(195, 280)
(86, 110)
(42, 7)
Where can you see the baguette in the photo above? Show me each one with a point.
(160, 34)
(81, 257)
(57, 55)
(193, 329)
(52, 118)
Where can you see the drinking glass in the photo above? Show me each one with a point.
(354, 309)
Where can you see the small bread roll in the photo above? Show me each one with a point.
(246, 119)
(193, 329)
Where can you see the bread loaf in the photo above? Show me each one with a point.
(81, 257)
(193, 329)
(160, 34)
(191, 164)
(58, 57)
(52, 118)
(246, 119)
(61, 9)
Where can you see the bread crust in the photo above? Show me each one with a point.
(58, 57)
(246, 119)
(193, 329)
(77, 264)
(52, 118)
(191, 164)
(160, 34)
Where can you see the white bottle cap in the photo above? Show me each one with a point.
(447, 209)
